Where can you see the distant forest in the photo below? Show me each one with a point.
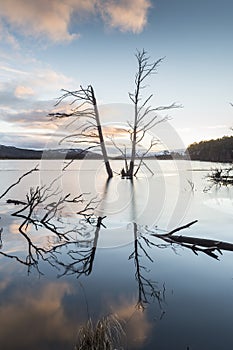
(219, 150)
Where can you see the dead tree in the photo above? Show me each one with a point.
(145, 116)
(86, 112)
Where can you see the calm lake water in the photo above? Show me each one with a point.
(166, 296)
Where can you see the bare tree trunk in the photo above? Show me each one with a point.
(90, 133)
(101, 138)
(133, 154)
(134, 137)
(145, 117)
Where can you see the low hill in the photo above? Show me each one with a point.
(219, 150)
(9, 152)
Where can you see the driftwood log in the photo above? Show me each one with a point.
(207, 246)
(208, 243)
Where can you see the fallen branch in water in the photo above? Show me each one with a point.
(207, 246)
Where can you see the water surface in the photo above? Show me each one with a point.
(166, 295)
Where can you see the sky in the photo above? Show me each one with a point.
(51, 45)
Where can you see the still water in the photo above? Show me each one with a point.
(60, 266)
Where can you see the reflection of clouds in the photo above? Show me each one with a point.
(35, 318)
(14, 229)
(3, 284)
(42, 313)
(138, 327)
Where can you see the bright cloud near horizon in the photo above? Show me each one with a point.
(50, 45)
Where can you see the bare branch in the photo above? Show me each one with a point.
(180, 228)
(19, 179)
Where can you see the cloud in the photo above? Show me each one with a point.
(46, 82)
(52, 19)
(12, 70)
(28, 140)
(116, 130)
(23, 91)
(26, 126)
(37, 82)
(127, 15)
(26, 118)
(26, 99)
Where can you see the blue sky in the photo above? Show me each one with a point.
(50, 45)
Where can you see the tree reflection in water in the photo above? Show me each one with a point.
(70, 245)
(44, 209)
(146, 287)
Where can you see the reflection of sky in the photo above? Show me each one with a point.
(56, 307)
(198, 289)
(38, 308)
(46, 47)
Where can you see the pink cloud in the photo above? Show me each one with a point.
(52, 18)
(127, 15)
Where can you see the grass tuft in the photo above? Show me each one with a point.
(106, 334)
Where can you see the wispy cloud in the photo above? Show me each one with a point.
(37, 81)
(26, 98)
(25, 140)
(12, 70)
(33, 130)
(52, 19)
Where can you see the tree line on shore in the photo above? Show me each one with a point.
(219, 150)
